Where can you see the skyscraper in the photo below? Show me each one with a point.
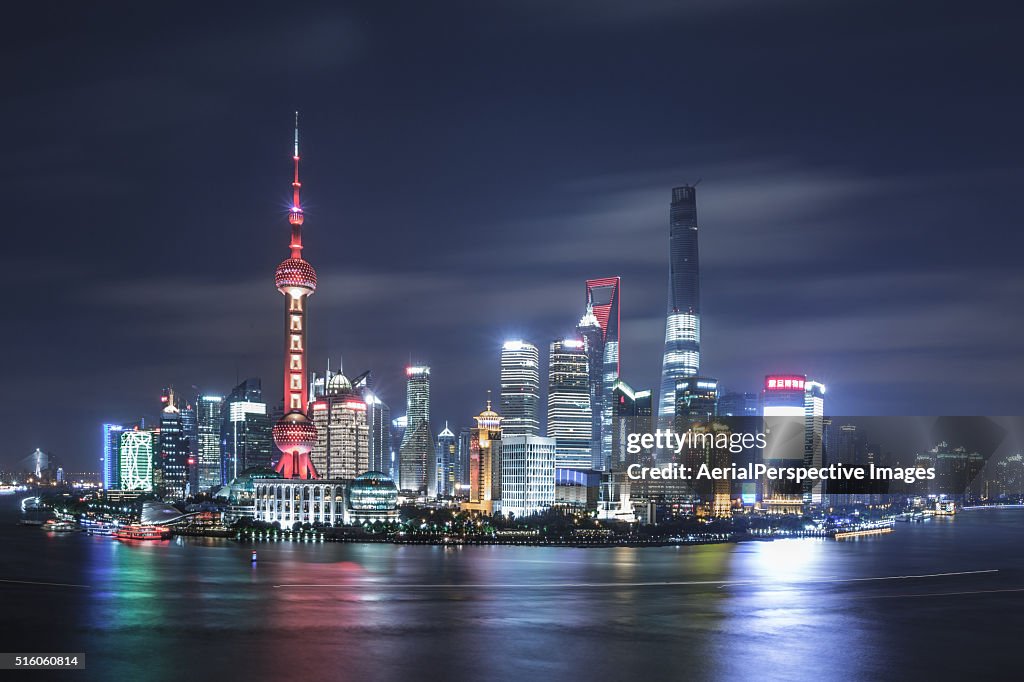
(682, 324)
(589, 329)
(378, 425)
(442, 481)
(294, 435)
(343, 438)
(602, 302)
(733, 404)
(208, 426)
(190, 430)
(520, 388)
(696, 402)
(634, 413)
(111, 446)
(569, 414)
(173, 449)
(485, 462)
(245, 430)
(527, 474)
(794, 426)
(416, 452)
(136, 461)
(814, 437)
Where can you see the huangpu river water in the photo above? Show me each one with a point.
(941, 599)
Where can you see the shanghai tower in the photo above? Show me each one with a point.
(682, 324)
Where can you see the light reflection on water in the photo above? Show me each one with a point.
(199, 608)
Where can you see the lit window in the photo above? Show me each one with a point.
(296, 362)
(296, 342)
(296, 382)
(296, 323)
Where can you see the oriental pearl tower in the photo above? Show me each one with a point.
(295, 434)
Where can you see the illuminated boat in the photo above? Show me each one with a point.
(94, 527)
(55, 526)
(142, 532)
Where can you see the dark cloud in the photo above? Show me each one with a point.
(466, 167)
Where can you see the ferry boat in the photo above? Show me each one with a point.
(142, 532)
(55, 526)
(97, 527)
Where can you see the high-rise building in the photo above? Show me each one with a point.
(589, 329)
(462, 462)
(733, 404)
(634, 413)
(814, 437)
(442, 482)
(295, 435)
(190, 429)
(246, 429)
(109, 459)
(602, 302)
(343, 437)
(416, 452)
(794, 428)
(527, 475)
(208, 425)
(569, 413)
(378, 424)
(136, 461)
(682, 324)
(174, 454)
(520, 388)
(485, 463)
(696, 402)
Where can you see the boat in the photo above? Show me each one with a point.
(55, 526)
(95, 527)
(137, 531)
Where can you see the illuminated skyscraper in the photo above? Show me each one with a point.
(378, 424)
(485, 463)
(136, 461)
(569, 414)
(208, 426)
(442, 479)
(343, 438)
(190, 430)
(602, 302)
(295, 435)
(417, 449)
(527, 474)
(814, 437)
(634, 413)
(696, 402)
(520, 389)
(111, 445)
(245, 430)
(682, 324)
(173, 455)
(794, 409)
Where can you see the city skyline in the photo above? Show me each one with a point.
(812, 257)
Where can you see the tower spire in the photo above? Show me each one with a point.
(295, 213)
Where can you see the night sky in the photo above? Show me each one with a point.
(467, 165)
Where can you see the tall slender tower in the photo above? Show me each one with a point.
(295, 434)
(682, 324)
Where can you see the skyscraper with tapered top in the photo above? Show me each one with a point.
(681, 358)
